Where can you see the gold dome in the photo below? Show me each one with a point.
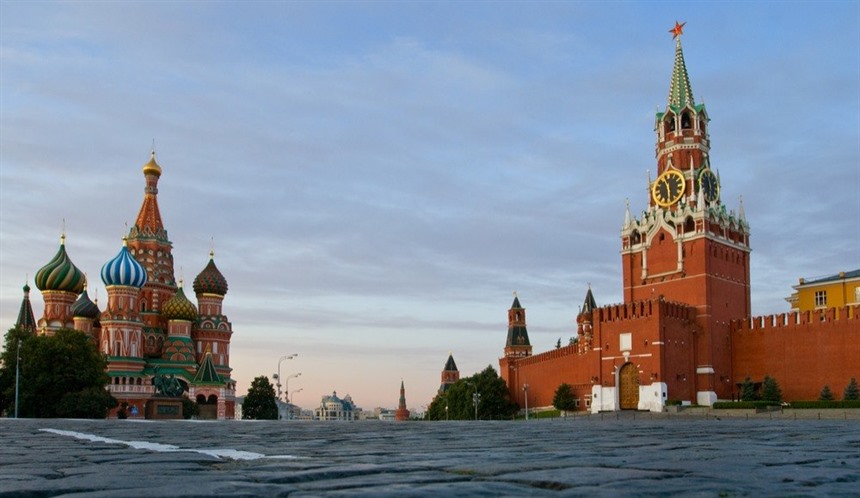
(152, 167)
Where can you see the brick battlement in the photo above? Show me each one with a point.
(640, 309)
(569, 350)
(794, 319)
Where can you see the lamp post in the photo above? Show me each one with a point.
(278, 375)
(476, 398)
(446, 411)
(287, 384)
(290, 395)
(526, 390)
(290, 402)
(17, 373)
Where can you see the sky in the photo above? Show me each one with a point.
(378, 178)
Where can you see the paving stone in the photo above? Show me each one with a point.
(605, 455)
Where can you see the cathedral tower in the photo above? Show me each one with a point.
(121, 326)
(148, 243)
(450, 374)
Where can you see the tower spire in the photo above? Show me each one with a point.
(680, 92)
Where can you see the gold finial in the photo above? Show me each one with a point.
(63, 234)
(212, 248)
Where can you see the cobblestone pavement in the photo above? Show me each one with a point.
(581, 456)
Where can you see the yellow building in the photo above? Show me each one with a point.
(833, 291)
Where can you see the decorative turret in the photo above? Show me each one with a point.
(60, 282)
(450, 374)
(179, 307)
(60, 274)
(585, 322)
(86, 315)
(123, 270)
(210, 280)
(402, 412)
(26, 319)
(517, 344)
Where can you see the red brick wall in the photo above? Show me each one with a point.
(802, 351)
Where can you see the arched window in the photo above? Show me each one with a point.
(669, 123)
(686, 122)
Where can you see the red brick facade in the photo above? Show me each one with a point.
(681, 333)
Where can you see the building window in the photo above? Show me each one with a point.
(820, 299)
(857, 294)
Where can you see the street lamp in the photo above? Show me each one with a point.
(287, 384)
(526, 390)
(278, 375)
(476, 398)
(290, 395)
(17, 373)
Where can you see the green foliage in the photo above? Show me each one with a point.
(770, 390)
(495, 403)
(742, 405)
(564, 400)
(851, 393)
(826, 394)
(260, 401)
(825, 404)
(190, 408)
(93, 402)
(7, 367)
(62, 375)
(558, 344)
(748, 391)
(673, 402)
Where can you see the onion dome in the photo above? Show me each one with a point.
(124, 270)
(210, 280)
(152, 167)
(179, 307)
(85, 308)
(60, 274)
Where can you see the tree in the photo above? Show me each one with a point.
(7, 367)
(770, 390)
(826, 394)
(748, 391)
(260, 402)
(851, 392)
(494, 404)
(564, 399)
(558, 344)
(62, 375)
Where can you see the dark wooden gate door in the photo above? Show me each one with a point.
(628, 378)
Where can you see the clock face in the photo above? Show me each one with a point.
(668, 188)
(708, 184)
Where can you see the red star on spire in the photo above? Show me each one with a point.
(678, 30)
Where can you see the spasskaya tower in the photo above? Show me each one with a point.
(687, 247)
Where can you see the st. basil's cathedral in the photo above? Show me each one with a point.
(149, 326)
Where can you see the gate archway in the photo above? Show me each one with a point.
(628, 380)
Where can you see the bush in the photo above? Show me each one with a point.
(826, 394)
(743, 405)
(770, 390)
(673, 402)
(803, 405)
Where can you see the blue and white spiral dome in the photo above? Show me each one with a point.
(124, 270)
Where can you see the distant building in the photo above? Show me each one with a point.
(834, 291)
(402, 412)
(334, 408)
(450, 374)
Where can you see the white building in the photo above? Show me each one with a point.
(334, 408)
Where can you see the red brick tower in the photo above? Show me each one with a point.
(518, 344)
(450, 374)
(402, 412)
(687, 247)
